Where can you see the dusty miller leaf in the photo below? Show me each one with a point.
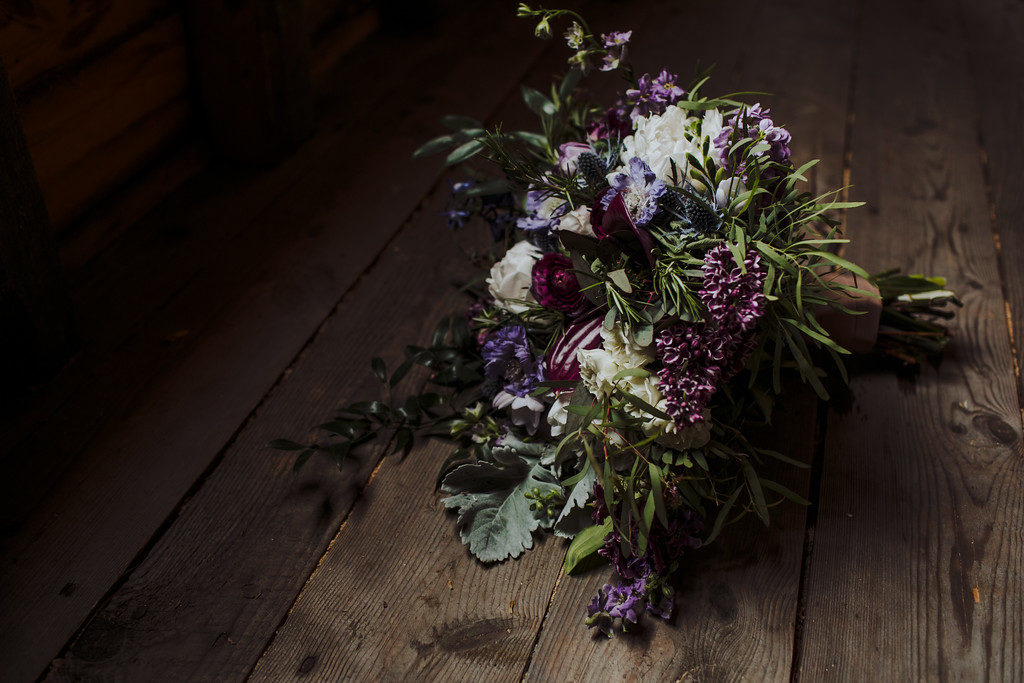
(495, 518)
(574, 516)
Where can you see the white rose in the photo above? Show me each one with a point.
(511, 277)
(558, 416)
(661, 140)
(578, 221)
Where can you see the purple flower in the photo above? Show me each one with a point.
(615, 43)
(665, 88)
(614, 123)
(616, 39)
(696, 357)
(509, 363)
(640, 190)
(568, 155)
(643, 99)
(755, 123)
(539, 212)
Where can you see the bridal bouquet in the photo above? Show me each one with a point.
(658, 277)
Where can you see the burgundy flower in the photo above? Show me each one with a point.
(615, 223)
(555, 285)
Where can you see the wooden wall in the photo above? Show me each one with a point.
(105, 96)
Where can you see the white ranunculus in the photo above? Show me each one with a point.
(578, 221)
(522, 410)
(511, 277)
(558, 416)
(661, 139)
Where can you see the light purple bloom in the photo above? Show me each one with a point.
(510, 365)
(640, 190)
(755, 123)
(643, 99)
(539, 215)
(666, 88)
(615, 42)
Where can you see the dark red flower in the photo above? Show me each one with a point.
(555, 284)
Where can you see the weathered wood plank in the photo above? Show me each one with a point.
(398, 597)
(43, 35)
(35, 310)
(215, 382)
(918, 564)
(995, 60)
(89, 131)
(209, 595)
(251, 63)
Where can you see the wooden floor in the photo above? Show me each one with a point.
(148, 533)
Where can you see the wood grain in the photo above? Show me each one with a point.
(208, 596)
(918, 563)
(94, 128)
(252, 73)
(992, 33)
(276, 273)
(44, 35)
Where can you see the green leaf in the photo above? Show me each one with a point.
(537, 103)
(286, 445)
(756, 494)
(463, 152)
(621, 280)
(380, 370)
(495, 518)
(434, 146)
(659, 498)
(456, 122)
(785, 492)
(302, 457)
(586, 544)
(723, 513)
(575, 516)
(339, 452)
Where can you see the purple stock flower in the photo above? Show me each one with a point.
(640, 190)
(643, 99)
(652, 96)
(509, 363)
(666, 89)
(755, 123)
(696, 357)
(615, 42)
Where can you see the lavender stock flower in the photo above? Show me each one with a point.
(615, 43)
(755, 123)
(509, 363)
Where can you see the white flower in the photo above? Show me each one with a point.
(578, 221)
(728, 189)
(618, 352)
(511, 277)
(522, 410)
(711, 127)
(558, 416)
(661, 140)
